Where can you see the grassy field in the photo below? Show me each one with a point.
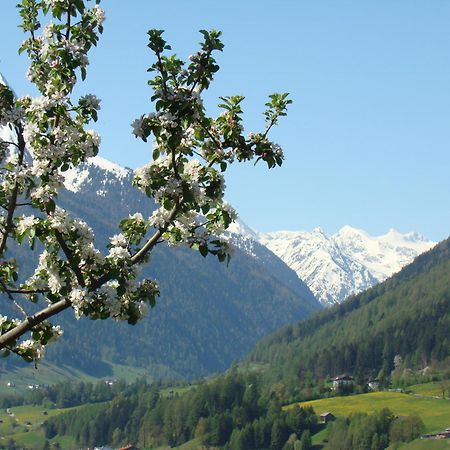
(171, 391)
(24, 425)
(44, 374)
(319, 437)
(47, 374)
(435, 413)
(426, 444)
(432, 389)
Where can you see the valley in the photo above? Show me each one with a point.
(277, 394)
(139, 311)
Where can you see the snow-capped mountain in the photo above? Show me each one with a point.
(208, 314)
(96, 170)
(348, 262)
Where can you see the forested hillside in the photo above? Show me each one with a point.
(208, 314)
(229, 412)
(408, 315)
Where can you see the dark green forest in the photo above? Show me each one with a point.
(230, 411)
(407, 315)
(372, 432)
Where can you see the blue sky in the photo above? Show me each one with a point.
(367, 137)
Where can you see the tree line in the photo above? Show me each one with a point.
(231, 411)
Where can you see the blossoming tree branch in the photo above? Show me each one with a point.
(191, 151)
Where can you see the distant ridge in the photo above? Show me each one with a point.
(345, 263)
(208, 315)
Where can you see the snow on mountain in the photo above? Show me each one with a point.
(98, 177)
(242, 229)
(7, 132)
(382, 255)
(247, 240)
(101, 170)
(348, 262)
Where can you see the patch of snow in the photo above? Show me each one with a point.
(239, 227)
(108, 166)
(346, 263)
(75, 178)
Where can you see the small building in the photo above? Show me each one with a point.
(374, 385)
(343, 381)
(443, 434)
(326, 417)
(128, 447)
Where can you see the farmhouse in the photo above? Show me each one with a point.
(441, 435)
(342, 381)
(326, 417)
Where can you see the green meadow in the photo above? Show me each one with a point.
(47, 374)
(433, 389)
(24, 425)
(426, 444)
(434, 412)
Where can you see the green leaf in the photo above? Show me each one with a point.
(203, 249)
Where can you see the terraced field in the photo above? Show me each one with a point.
(23, 424)
(433, 389)
(434, 412)
(426, 444)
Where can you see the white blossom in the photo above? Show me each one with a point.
(138, 127)
(59, 220)
(230, 210)
(193, 169)
(118, 253)
(277, 150)
(35, 347)
(90, 101)
(160, 217)
(137, 217)
(143, 309)
(57, 333)
(119, 240)
(99, 14)
(167, 120)
(24, 223)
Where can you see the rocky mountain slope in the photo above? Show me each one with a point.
(343, 264)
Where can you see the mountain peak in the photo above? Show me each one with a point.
(77, 177)
(109, 166)
(319, 230)
(393, 233)
(347, 230)
(347, 262)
